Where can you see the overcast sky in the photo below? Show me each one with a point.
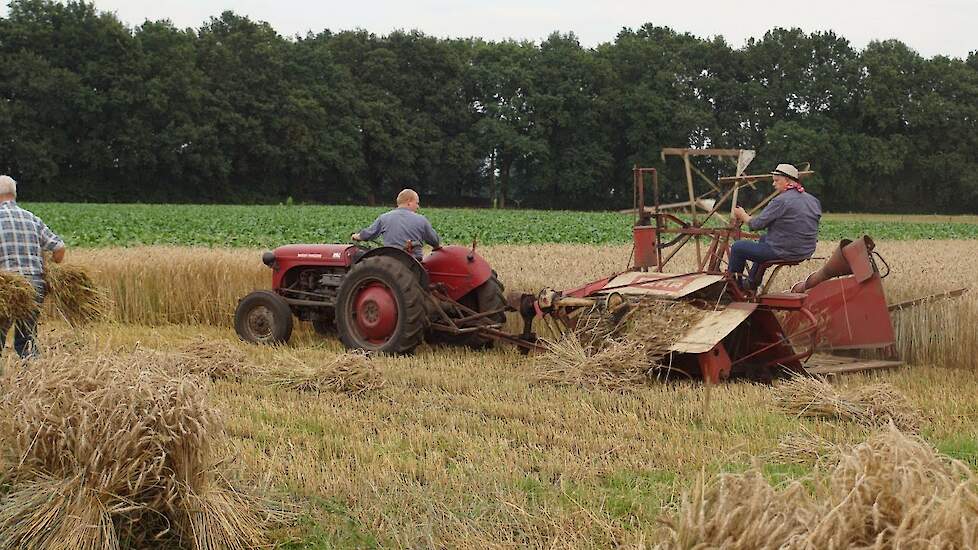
(932, 27)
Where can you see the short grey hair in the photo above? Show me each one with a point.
(8, 185)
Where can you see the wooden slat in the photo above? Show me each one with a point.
(701, 152)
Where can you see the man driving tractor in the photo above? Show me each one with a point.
(791, 220)
(402, 227)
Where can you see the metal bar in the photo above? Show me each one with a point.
(478, 316)
(932, 298)
(313, 303)
(454, 330)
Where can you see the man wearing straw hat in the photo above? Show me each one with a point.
(23, 238)
(791, 220)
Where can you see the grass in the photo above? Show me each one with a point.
(462, 449)
(105, 225)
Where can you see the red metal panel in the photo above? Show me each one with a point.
(852, 315)
(857, 256)
(459, 268)
(645, 250)
(714, 364)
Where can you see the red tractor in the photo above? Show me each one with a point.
(380, 299)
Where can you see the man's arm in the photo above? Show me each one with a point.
(369, 233)
(430, 235)
(51, 242)
(771, 212)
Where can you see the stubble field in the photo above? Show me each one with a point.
(465, 449)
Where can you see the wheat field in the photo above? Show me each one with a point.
(451, 448)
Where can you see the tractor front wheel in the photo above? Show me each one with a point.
(380, 307)
(263, 317)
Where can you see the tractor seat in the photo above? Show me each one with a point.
(783, 300)
(781, 262)
(777, 265)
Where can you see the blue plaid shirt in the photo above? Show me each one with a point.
(23, 236)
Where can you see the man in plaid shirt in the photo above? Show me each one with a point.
(23, 236)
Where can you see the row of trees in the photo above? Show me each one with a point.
(91, 110)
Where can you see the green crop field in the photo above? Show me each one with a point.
(99, 225)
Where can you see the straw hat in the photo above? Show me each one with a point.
(787, 171)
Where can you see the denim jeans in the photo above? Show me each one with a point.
(757, 252)
(25, 330)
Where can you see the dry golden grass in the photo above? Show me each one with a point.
(892, 491)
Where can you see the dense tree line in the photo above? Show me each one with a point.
(92, 110)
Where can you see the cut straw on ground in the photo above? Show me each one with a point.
(215, 358)
(351, 373)
(869, 405)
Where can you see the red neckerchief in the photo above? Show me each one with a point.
(796, 186)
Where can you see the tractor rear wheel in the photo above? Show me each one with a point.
(380, 307)
(263, 317)
(486, 297)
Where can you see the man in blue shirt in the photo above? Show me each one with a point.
(23, 238)
(402, 227)
(791, 220)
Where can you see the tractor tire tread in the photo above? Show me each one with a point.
(415, 317)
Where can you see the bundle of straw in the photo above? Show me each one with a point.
(870, 405)
(738, 512)
(98, 444)
(74, 295)
(617, 365)
(892, 491)
(215, 359)
(616, 349)
(351, 373)
(18, 298)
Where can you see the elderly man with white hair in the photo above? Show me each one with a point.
(791, 220)
(23, 238)
(402, 227)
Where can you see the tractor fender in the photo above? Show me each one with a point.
(400, 255)
(459, 269)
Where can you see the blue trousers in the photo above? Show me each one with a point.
(25, 330)
(757, 252)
